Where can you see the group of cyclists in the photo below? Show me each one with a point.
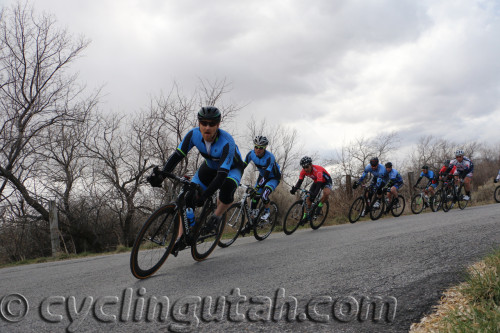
(224, 167)
(460, 168)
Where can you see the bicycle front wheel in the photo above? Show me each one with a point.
(262, 228)
(154, 242)
(319, 215)
(234, 220)
(496, 195)
(399, 207)
(356, 210)
(417, 204)
(293, 217)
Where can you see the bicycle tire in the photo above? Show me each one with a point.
(437, 200)
(293, 217)
(357, 208)
(496, 194)
(262, 229)
(398, 208)
(461, 202)
(234, 218)
(448, 201)
(207, 240)
(417, 204)
(376, 213)
(154, 242)
(317, 220)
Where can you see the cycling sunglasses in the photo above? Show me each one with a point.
(208, 123)
(260, 147)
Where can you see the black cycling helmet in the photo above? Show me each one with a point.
(306, 160)
(388, 165)
(447, 162)
(209, 113)
(374, 161)
(425, 167)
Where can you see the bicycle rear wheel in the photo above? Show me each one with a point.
(398, 208)
(356, 209)
(293, 217)
(234, 220)
(319, 215)
(209, 234)
(376, 212)
(437, 200)
(263, 228)
(417, 204)
(154, 242)
(496, 195)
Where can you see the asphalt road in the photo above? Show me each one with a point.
(375, 276)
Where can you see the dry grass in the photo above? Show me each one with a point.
(472, 306)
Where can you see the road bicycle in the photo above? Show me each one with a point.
(496, 194)
(396, 206)
(157, 238)
(296, 217)
(422, 201)
(453, 194)
(235, 219)
(361, 205)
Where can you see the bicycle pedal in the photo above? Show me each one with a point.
(179, 246)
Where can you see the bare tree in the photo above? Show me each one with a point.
(353, 157)
(120, 153)
(36, 93)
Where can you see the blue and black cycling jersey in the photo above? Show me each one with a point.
(267, 165)
(378, 174)
(393, 176)
(222, 154)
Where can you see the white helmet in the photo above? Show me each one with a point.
(459, 152)
(260, 140)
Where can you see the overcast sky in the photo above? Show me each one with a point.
(335, 70)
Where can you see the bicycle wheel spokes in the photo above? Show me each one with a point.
(263, 228)
(234, 219)
(293, 217)
(398, 207)
(319, 215)
(417, 204)
(154, 242)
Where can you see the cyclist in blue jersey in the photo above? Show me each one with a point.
(431, 182)
(378, 172)
(269, 174)
(223, 165)
(394, 182)
(498, 177)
